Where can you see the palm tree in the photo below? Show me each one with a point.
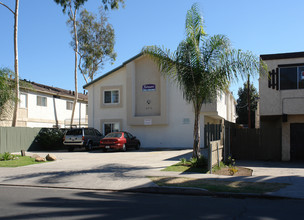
(202, 66)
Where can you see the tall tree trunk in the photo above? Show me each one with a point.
(76, 66)
(248, 100)
(196, 133)
(15, 115)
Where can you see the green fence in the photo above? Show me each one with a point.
(15, 139)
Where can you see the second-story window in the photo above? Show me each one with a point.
(291, 77)
(111, 97)
(69, 105)
(41, 101)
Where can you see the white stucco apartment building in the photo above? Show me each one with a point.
(282, 101)
(45, 106)
(135, 97)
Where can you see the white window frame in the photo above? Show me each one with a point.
(69, 104)
(23, 103)
(112, 98)
(42, 104)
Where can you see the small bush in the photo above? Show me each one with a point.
(202, 162)
(7, 156)
(230, 161)
(50, 138)
(183, 161)
(232, 170)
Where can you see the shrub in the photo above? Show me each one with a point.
(230, 161)
(8, 156)
(183, 161)
(50, 138)
(202, 162)
(232, 170)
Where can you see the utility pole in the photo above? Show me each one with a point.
(248, 101)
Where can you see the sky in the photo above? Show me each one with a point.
(46, 57)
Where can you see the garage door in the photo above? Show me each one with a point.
(297, 141)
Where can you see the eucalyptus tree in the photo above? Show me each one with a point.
(96, 42)
(202, 66)
(16, 66)
(71, 7)
(7, 94)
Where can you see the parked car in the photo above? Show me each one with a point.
(82, 137)
(119, 141)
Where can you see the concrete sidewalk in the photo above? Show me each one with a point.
(128, 171)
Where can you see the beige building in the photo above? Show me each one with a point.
(45, 106)
(135, 97)
(282, 101)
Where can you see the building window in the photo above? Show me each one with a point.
(110, 127)
(111, 97)
(69, 105)
(41, 101)
(23, 101)
(292, 77)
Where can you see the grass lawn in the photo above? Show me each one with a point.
(22, 161)
(219, 186)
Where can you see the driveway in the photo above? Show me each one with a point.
(94, 170)
(129, 170)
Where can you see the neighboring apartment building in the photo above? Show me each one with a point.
(46, 106)
(282, 101)
(137, 98)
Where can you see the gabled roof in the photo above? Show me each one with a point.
(112, 71)
(33, 86)
(278, 56)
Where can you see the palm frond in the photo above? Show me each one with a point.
(162, 57)
(194, 24)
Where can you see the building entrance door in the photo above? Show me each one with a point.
(297, 141)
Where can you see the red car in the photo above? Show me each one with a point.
(119, 141)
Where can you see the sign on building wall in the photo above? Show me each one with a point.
(148, 122)
(148, 87)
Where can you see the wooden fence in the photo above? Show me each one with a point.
(15, 139)
(212, 132)
(253, 144)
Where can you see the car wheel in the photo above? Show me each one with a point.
(137, 146)
(90, 146)
(71, 149)
(124, 148)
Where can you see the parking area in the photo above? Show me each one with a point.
(94, 169)
(131, 169)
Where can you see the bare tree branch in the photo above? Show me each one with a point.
(7, 7)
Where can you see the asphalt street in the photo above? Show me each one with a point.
(45, 203)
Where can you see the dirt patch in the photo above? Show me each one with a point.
(241, 171)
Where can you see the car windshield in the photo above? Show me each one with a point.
(116, 135)
(74, 132)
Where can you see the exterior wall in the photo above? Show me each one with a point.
(47, 116)
(274, 103)
(98, 112)
(223, 108)
(278, 102)
(158, 118)
(222, 105)
(171, 126)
